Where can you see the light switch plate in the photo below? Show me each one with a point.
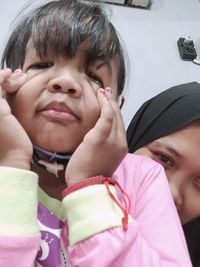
(138, 3)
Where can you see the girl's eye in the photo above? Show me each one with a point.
(95, 78)
(41, 65)
(164, 160)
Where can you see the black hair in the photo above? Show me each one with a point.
(60, 27)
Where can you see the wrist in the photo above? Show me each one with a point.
(87, 182)
(16, 162)
(101, 190)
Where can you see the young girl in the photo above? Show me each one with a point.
(63, 126)
(167, 129)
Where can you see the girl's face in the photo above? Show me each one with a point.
(57, 105)
(179, 153)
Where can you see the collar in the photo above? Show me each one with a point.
(53, 162)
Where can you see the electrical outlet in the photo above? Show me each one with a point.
(186, 48)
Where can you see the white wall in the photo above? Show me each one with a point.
(150, 37)
(151, 40)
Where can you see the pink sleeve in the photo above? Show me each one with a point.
(19, 251)
(154, 237)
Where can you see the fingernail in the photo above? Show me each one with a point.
(101, 90)
(17, 71)
(108, 90)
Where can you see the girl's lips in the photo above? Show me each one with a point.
(58, 111)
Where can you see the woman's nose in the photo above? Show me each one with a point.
(66, 81)
(176, 190)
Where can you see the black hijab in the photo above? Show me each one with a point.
(161, 115)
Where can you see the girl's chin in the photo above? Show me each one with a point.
(55, 148)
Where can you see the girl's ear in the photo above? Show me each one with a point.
(120, 101)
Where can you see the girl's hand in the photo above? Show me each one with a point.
(15, 146)
(103, 147)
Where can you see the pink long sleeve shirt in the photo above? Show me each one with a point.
(90, 232)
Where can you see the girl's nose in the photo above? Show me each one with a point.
(67, 82)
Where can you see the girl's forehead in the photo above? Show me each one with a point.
(84, 48)
(83, 52)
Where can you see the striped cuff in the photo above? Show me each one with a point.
(91, 210)
(18, 201)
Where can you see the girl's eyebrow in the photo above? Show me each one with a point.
(166, 145)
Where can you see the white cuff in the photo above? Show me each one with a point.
(91, 210)
(18, 201)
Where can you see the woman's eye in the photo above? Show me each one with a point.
(41, 65)
(164, 160)
(197, 182)
(95, 78)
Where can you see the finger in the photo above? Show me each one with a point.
(120, 132)
(4, 74)
(115, 106)
(15, 81)
(106, 120)
(4, 108)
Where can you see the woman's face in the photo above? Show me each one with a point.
(179, 154)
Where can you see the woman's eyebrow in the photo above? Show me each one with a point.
(166, 145)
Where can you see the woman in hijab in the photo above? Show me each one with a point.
(166, 128)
